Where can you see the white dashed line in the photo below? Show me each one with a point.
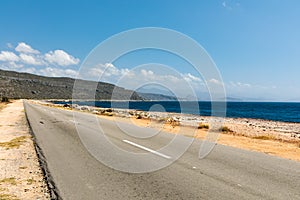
(147, 149)
(72, 121)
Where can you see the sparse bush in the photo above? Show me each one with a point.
(225, 129)
(203, 126)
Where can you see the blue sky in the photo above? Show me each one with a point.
(255, 44)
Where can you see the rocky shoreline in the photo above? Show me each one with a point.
(254, 128)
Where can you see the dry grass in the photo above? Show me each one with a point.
(14, 143)
(11, 181)
(30, 181)
(203, 126)
(162, 120)
(264, 137)
(3, 105)
(225, 129)
(8, 197)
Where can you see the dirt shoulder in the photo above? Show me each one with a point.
(20, 173)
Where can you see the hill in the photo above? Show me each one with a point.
(24, 85)
(156, 97)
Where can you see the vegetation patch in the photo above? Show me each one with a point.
(203, 126)
(30, 181)
(14, 143)
(11, 181)
(263, 137)
(162, 119)
(2, 105)
(225, 129)
(8, 197)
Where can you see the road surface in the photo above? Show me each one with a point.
(227, 173)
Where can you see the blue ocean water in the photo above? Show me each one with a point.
(287, 112)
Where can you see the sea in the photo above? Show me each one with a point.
(275, 111)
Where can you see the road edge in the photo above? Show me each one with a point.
(53, 190)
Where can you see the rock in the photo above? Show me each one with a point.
(109, 110)
(67, 105)
(85, 108)
(75, 106)
(138, 116)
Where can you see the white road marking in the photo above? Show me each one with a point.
(72, 121)
(147, 149)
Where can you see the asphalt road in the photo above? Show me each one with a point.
(226, 173)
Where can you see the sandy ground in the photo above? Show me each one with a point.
(20, 174)
(280, 139)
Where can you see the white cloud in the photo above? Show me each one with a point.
(190, 78)
(61, 58)
(29, 56)
(8, 56)
(107, 72)
(109, 65)
(15, 65)
(31, 60)
(11, 66)
(239, 84)
(215, 81)
(147, 73)
(180, 84)
(25, 48)
(55, 72)
(23, 58)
